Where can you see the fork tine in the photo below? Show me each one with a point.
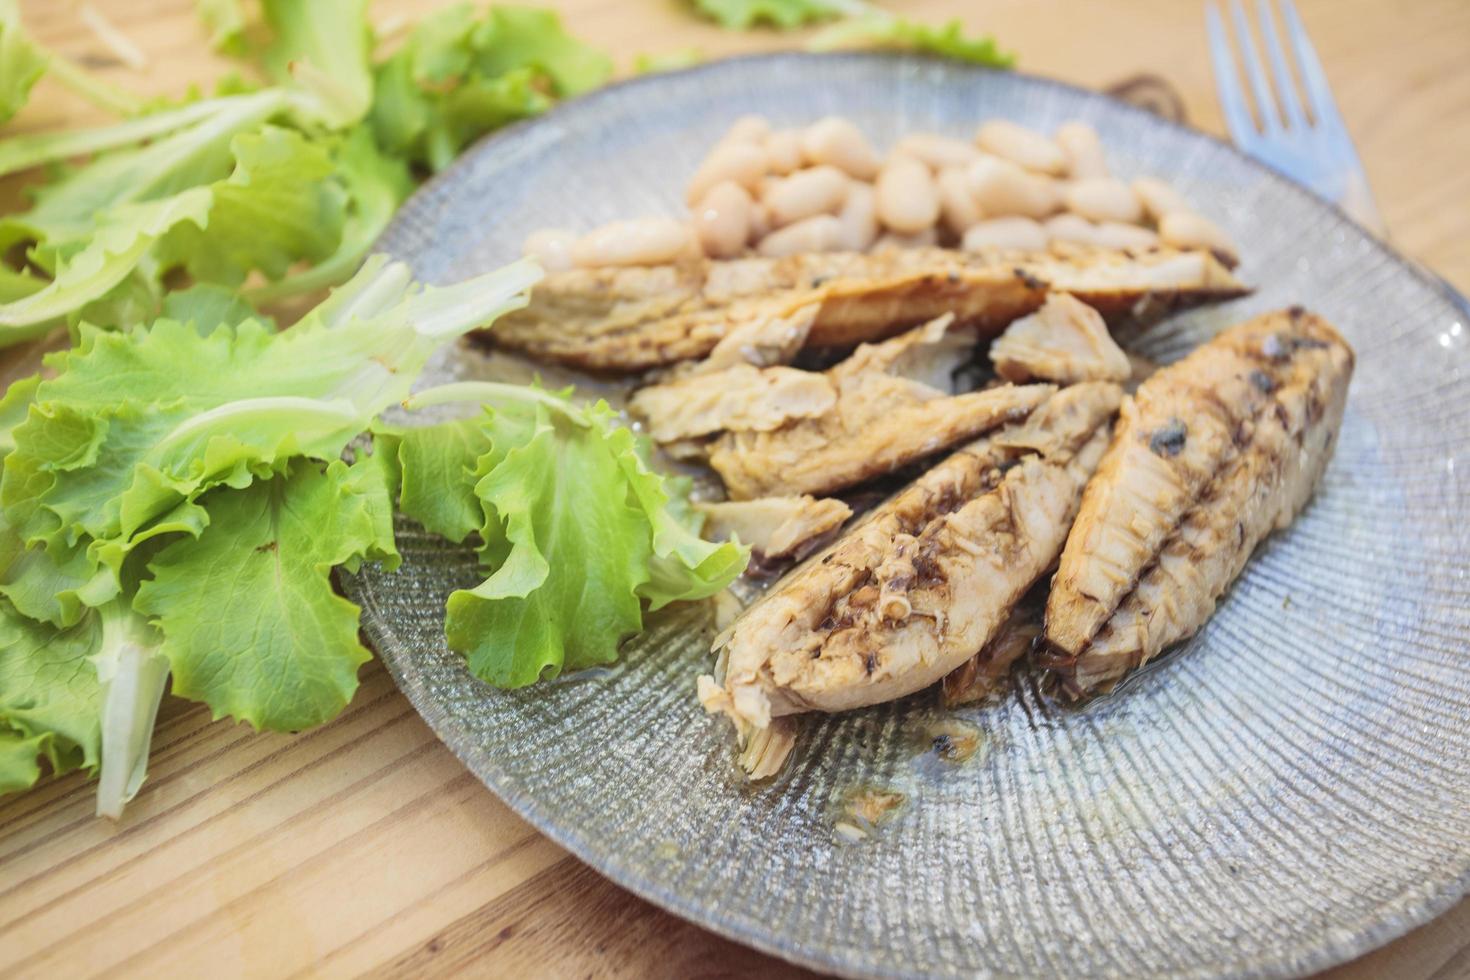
(1255, 71)
(1285, 88)
(1227, 83)
(1314, 79)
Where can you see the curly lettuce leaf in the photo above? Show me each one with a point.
(648, 63)
(32, 149)
(576, 530)
(459, 76)
(118, 242)
(375, 185)
(115, 461)
(739, 15)
(276, 208)
(565, 593)
(50, 698)
(251, 625)
(132, 674)
(884, 31)
(326, 45)
(22, 63)
(435, 466)
(273, 210)
(196, 153)
(207, 306)
(225, 21)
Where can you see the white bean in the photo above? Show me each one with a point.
(1189, 229)
(908, 201)
(743, 163)
(956, 203)
(648, 241)
(748, 129)
(760, 221)
(890, 241)
(939, 152)
(1117, 234)
(837, 141)
(819, 190)
(1103, 199)
(722, 220)
(1083, 148)
(1001, 189)
(859, 217)
(1022, 146)
(1158, 197)
(1016, 233)
(1071, 229)
(783, 151)
(552, 247)
(819, 233)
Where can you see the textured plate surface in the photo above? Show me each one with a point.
(1289, 790)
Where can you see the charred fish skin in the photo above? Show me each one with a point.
(924, 581)
(624, 320)
(1197, 541)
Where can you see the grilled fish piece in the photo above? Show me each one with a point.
(632, 319)
(775, 527)
(1211, 455)
(1065, 341)
(984, 674)
(922, 583)
(743, 397)
(892, 408)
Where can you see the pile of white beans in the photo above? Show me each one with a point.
(824, 188)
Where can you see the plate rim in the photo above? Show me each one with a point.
(1408, 910)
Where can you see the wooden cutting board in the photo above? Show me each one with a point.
(363, 846)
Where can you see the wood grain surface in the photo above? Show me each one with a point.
(364, 846)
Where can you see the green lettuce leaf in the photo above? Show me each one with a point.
(884, 31)
(132, 674)
(196, 153)
(648, 64)
(375, 185)
(739, 15)
(199, 411)
(458, 77)
(276, 208)
(32, 149)
(208, 306)
(225, 21)
(576, 530)
(326, 45)
(435, 474)
(50, 698)
(118, 242)
(22, 63)
(251, 624)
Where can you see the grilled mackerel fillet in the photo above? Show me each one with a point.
(632, 319)
(922, 583)
(891, 406)
(1065, 341)
(1210, 455)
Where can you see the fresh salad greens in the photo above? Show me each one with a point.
(860, 24)
(880, 29)
(174, 496)
(276, 190)
(174, 500)
(739, 15)
(574, 528)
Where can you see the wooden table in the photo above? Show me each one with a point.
(364, 846)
